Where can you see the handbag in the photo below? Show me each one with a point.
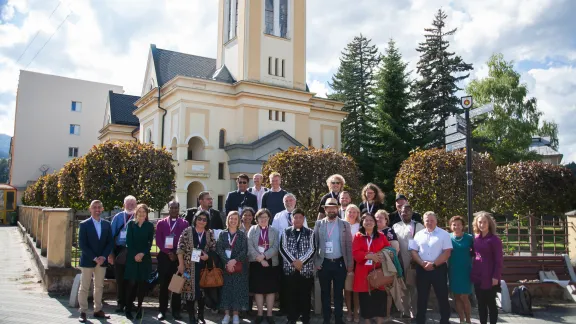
(377, 279)
(211, 278)
(237, 268)
(176, 284)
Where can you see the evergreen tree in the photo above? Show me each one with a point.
(393, 135)
(440, 72)
(354, 84)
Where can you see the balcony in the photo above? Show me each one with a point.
(197, 169)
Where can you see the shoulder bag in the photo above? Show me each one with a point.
(211, 278)
(377, 279)
(122, 250)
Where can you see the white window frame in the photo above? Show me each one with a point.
(73, 150)
(76, 129)
(276, 28)
(230, 23)
(77, 104)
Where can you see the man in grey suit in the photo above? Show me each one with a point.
(333, 259)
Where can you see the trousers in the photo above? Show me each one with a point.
(86, 277)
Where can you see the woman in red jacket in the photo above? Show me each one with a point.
(365, 247)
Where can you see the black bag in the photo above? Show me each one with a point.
(121, 251)
(521, 301)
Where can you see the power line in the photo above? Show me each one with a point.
(54, 33)
(37, 33)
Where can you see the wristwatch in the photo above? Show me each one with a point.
(434, 265)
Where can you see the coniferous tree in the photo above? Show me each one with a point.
(354, 84)
(393, 135)
(440, 72)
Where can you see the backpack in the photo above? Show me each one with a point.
(521, 301)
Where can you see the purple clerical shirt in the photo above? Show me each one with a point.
(488, 260)
(163, 230)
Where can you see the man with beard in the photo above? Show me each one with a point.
(205, 200)
(345, 200)
(395, 216)
(333, 259)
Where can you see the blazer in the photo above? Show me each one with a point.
(236, 200)
(215, 221)
(272, 252)
(92, 246)
(345, 241)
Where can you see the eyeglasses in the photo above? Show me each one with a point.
(202, 219)
(242, 182)
(335, 182)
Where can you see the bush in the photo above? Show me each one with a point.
(304, 173)
(69, 191)
(436, 180)
(50, 190)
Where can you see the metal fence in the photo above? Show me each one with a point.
(534, 236)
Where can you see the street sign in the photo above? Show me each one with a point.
(454, 137)
(481, 110)
(454, 129)
(461, 121)
(456, 145)
(466, 102)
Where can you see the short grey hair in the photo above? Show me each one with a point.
(430, 213)
(130, 197)
(289, 195)
(258, 175)
(173, 202)
(95, 202)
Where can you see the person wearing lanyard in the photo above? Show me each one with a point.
(405, 231)
(430, 249)
(335, 184)
(345, 201)
(352, 216)
(297, 250)
(194, 245)
(333, 241)
(365, 247)
(119, 232)
(263, 243)
(258, 190)
(232, 248)
(273, 200)
(372, 199)
(168, 231)
(237, 200)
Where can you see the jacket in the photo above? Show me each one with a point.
(391, 267)
(215, 221)
(345, 241)
(237, 199)
(273, 249)
(92, 246)
(359, 250)
(301, 248)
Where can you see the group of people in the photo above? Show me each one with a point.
(265, 248)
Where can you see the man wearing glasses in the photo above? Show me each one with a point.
(237, 200)
(335, 184)
(205, 201)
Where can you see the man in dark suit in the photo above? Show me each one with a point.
(395, 217)
(205, 201)
(237, 200)
(96, 242)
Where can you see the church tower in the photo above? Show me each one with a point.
(264, 41)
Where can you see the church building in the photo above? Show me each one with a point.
(225, 116)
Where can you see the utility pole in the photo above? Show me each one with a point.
(466, 103)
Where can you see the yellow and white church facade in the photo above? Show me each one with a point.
(225, 116)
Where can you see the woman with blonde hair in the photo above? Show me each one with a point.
(352, 216)
(459, 267)
(372, 199)
(487, 266)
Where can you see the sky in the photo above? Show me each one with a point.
(108, 41)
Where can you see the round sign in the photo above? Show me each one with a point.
(467, 102)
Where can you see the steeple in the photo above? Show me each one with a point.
(264, 41)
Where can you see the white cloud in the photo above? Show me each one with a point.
(7, 117)
(321, 89)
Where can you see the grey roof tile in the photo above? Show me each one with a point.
(121, 108)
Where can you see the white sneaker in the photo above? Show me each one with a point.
(226, 319)
(235, 319)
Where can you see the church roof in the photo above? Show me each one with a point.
(170, 64)
(265, 139)
(121, 108)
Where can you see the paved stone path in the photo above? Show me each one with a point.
(23, 299)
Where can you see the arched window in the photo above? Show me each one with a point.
(222, 139)
(148, 136)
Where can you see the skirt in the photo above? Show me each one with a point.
(263, 280)
(373, 305)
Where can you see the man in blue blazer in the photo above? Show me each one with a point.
(96, 242)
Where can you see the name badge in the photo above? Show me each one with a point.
(228, 253)
(196, 253)
(123, 234)
(169, 242)
(368, 262)
(261, 249)
(329, 247)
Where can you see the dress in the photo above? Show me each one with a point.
(460, 264)
(189, 241)
(138, 240)
(235, 290)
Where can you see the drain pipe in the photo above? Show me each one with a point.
(134, 131)
(163, 118)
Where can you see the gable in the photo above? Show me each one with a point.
(150, 78)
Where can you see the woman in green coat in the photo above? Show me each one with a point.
(139, 238)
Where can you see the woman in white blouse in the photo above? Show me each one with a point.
(352, 216)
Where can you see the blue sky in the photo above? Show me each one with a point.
(108, 41)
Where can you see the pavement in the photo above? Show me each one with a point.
(23, 298)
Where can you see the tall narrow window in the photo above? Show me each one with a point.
(284, 18)
(270, 65)
(220, 171)
(236, 19)
(269, 17)
(283, 116)
(276, 67)
(270, 113)
(283, 67)
(277, 115)
(228, 14)
(309, 141)
(222, 139)
(220, 202)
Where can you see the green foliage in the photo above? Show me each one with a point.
(304, 173)
(354, 84)
(393, 136)
(50, 190)
(4, 171)
(69, 191)
(535, 189)
(113, 170)
(508, 132)
(34, 194)
(440, 71)
(436, 180)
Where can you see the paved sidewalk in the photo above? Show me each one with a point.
(23, 300)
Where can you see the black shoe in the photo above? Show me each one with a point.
(139, 313)
(161, 316)
(339, 321)
(129, 315)
(120, 309)
(259, 320)
(291, 322)
(270, 320)
(176, 315)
